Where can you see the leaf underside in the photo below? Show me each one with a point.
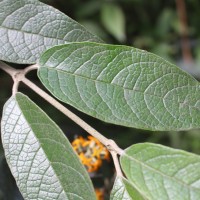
(123, 190)
(28, 27)
(39, 155)
(161, 172)
(122, 85)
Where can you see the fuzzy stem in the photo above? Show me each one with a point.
(63, 109)
(9, 70)
(30, 68)
(14, 74)
(107, 142)
(116, 163)
(19, 75)
(15, 87)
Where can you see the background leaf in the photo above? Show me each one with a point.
(161, 172)
(122, 85)
(123, 190)
(28, 27)
(39, 155)
(113, 19)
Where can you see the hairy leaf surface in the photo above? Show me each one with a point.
(40, 156)
(28, 27)
(122, 85)
(161, 172)
(123, 190)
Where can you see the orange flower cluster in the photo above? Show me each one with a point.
(99, 194)
(91, 152)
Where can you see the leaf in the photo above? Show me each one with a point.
(123, 190)
(122, 85)
(29, 27)
(113, 19)
(161, 172)
(40, 156)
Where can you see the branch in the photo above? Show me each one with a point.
(116, 163)
(19, 75)
(15, 87)
(9, 70)
(14, 73)
(110, 144)
(30, 68)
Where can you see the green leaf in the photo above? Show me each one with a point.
(113, 19)
(123, 190)
(161, 172)
(28, 27)
(122, 85)
(40, 156)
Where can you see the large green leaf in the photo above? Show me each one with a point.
(161, 172)
(39, 155)
(28, 27)
(122, 85)
(123, 190)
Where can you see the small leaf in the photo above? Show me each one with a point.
(122, 85)
(113, 19)
(123, 190)
(161, 172)
(28, 27)
(39, 155)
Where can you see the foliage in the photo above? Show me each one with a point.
(41, 157)
(45, 33)
(117, 84)
(172, 169)
(122, 189)
(125, 97)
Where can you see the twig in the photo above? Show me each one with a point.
(9, 70)
(116, 163)
(19, 75)
(110, 144)
(30, 68)
(14, 73)
(15, 87)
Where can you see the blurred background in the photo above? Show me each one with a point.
(169, 29)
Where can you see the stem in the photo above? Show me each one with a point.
(64, 110)
(110, 144)
(19, 75)
(30, 68)
(116, 163)
(15, 87)
(14, 74)
(9, 70)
